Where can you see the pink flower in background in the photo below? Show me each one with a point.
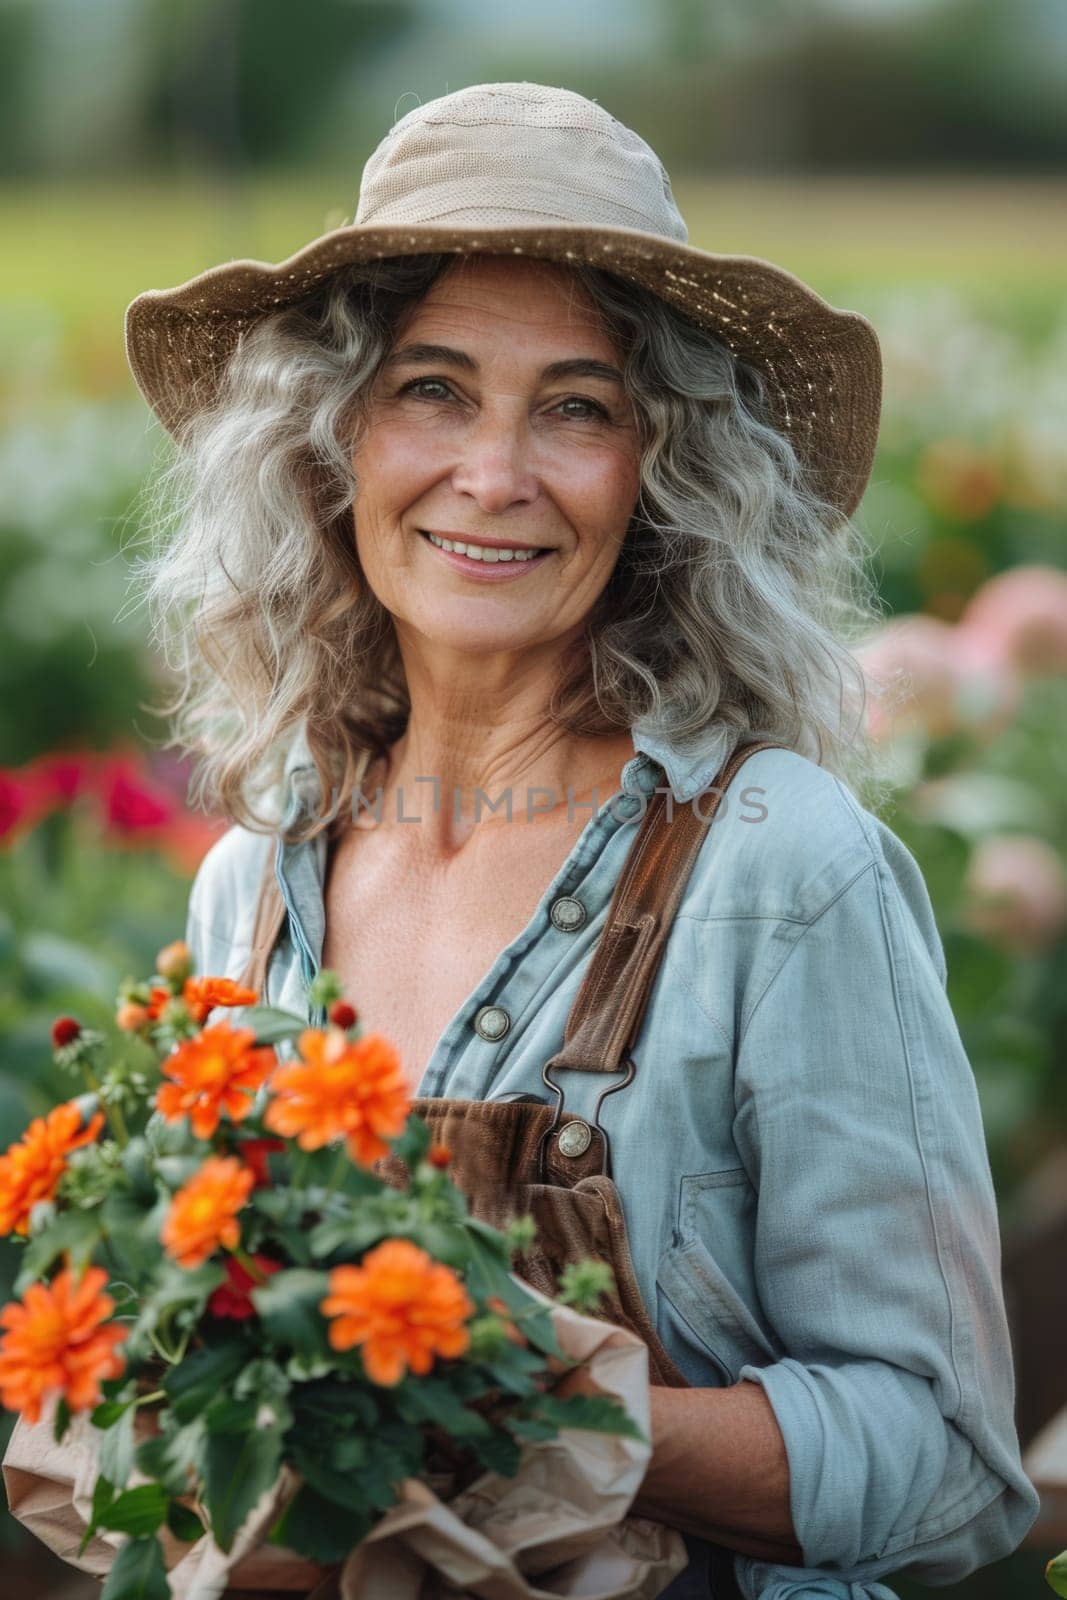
(990, 687)
(1016, 893)
(1019, 619)
(912, 676)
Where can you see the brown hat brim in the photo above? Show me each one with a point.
(823, 366)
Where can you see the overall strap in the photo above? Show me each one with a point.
(605, 1018)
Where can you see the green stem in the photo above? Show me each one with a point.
(147, 1399)
(339, 1167)
(113, 1113)
(249, 1265)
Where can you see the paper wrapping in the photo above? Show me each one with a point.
(559, 1528)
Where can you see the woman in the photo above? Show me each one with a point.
(438, 763)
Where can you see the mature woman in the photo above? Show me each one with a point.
(506, 524)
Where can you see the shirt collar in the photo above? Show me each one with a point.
(686, 768)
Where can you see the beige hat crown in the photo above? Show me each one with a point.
(468, 159)
(526, 169)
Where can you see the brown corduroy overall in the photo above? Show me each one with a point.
(518, 1156)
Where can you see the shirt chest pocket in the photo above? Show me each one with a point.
(702, 1272)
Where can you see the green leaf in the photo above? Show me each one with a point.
(318, 1528)
(136, 1163)
(598, 1413)
(499, 1452)
(288, 1304)
(117, 1448)
(183, 1523)
(61, 1421)
(238, 1468)
(516, 1369)
(414, 1142)
(108, 1412)
(138, 1573)
(432, 1400)
(445, 1241)
(196, 1381)
(76, 1231)
(340, 1487)
(103, 1494)
(1056, 1574)
(486, 1277)
(138, 1512)
(272, 1024)
(174, 1457)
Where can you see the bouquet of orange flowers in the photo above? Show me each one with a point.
(214, 1274)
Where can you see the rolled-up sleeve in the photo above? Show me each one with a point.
(877, 1250)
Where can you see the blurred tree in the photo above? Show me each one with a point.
(250, 78)
(136, 84)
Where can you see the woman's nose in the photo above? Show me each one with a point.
(494, 465)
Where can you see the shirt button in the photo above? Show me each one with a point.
(492, 1022)
(575, 1138)
(567, 913)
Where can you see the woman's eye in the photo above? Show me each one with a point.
(594, 406)
(416, 383)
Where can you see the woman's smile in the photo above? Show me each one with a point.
(493, 564)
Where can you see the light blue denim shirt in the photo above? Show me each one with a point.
(800, 1157)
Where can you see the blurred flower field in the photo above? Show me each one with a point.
(966, 516)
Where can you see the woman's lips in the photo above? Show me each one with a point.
(487, 571)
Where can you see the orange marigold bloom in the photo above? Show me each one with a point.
(215, 1071)
(59, 1343)
(202, 995)
(401, 1306)
(355, 1089)
(159, 995)
(202, 1217)
(34, 1164)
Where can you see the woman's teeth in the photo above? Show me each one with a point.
(479, 552)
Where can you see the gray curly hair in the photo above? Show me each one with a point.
(734, 601)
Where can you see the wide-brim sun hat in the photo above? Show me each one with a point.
(527, 169)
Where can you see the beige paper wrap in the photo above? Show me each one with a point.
(558, 1529)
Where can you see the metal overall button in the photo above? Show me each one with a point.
(567, 913)
(554, 1128)
(574, 1138)
(492, 1022)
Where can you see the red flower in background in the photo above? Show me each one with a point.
(233, 1298)
(254, 1153)
(14, 801)
(136, 806)
(131, 803)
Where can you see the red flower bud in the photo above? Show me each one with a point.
(439, 1155)
(342, 1015)
(65, 1030)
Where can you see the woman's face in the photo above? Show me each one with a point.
(481, 441)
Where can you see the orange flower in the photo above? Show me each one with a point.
(403, 1307)
(33, 1166)
(354, 1089)
(159, 995)
(55, 1344)
(203, 1214)
(202, 995)
(130, 1016)
(214, 1072)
